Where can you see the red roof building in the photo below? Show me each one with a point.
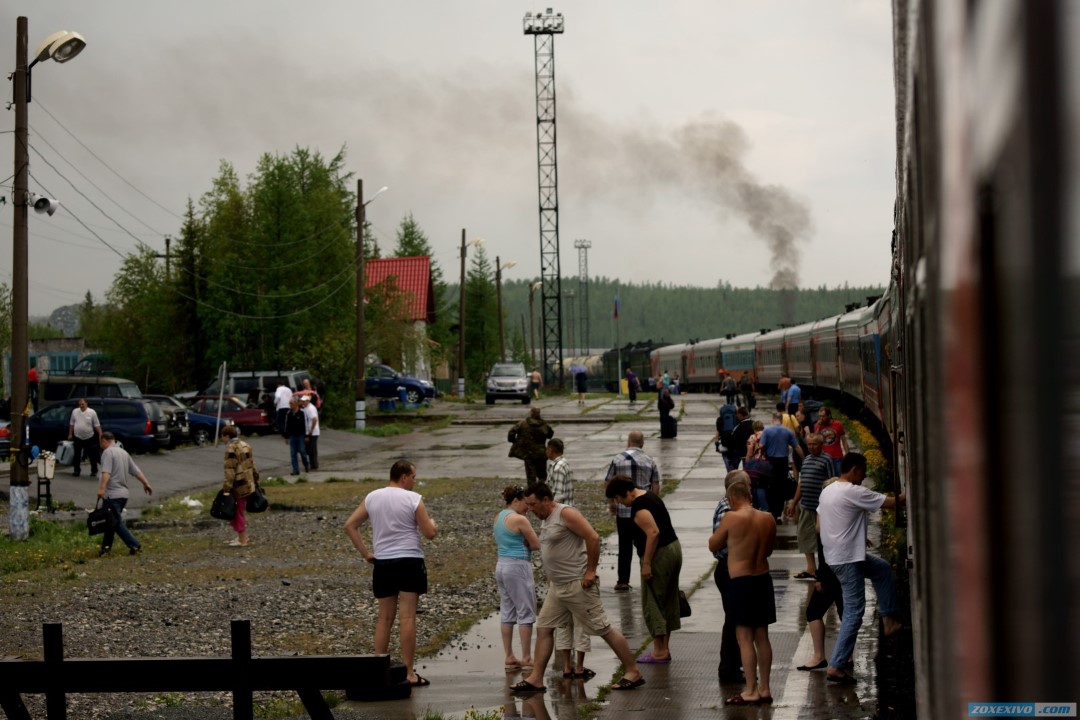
(411, 275)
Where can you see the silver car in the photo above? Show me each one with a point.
(507, 381)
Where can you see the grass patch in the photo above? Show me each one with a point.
(51, 545)
(388, 430)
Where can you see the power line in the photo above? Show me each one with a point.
(114, 172)
(79, 220)
(96, 186)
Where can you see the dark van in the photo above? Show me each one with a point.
(138, 423)
(57, 388)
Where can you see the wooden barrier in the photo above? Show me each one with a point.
(370, 677)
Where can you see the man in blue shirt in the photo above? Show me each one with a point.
(775, 440)
(790, 395)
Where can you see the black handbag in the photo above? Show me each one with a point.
(257, 502)
(101, 518)
(684, 605)
(224, 506)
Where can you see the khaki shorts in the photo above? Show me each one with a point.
(570, 600)
(806, 532)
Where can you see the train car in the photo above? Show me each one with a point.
(986, 347)
(594, 369)
(635, 356)
(769, 358)
(870, 361)
(703, 361)
(737, 355)
(670, 359)
(847, 341)
(883, 320)
(799, 352)
(826, 353)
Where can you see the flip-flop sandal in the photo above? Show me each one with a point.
(585, 674)
(569, 674)
(625, 684)
(739, 700)
(420, 681)
(805, 576)
(526, 686)
(649, 659)
(765, 700)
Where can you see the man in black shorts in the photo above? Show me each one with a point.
(749, 535)
(398, 518)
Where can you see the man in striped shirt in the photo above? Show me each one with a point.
(639, 467)
(816, 469)
(560, 478)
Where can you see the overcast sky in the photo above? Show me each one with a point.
(691, 135)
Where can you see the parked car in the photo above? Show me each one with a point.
(250, 419)
(176, 418)
(383, 381)
(5, 440)
(57, 388)
(94, 364)
(507, 381)
(137, 423)
(251, 385)
(202, 426)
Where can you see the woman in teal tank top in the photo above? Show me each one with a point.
(516, 540)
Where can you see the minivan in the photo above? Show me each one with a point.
(251, 385)
(138, 423)
(57, 388)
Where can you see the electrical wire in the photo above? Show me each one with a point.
(96, 186)
(79, 220)
(114, 172)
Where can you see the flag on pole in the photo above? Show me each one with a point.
(616, 306)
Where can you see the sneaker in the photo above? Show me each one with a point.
(135, 550)
(622, 587)
(104, 551)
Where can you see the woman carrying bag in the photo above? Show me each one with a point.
(241, 479)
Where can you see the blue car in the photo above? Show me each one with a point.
(383, 381)
(138, 424)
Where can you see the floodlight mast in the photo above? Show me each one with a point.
(543, 27)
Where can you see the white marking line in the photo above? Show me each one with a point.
(797, 683)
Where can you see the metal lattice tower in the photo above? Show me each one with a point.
(583, 292)
(543, 28)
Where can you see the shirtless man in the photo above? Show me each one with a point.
(749, 535)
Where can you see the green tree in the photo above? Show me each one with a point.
(481, 318)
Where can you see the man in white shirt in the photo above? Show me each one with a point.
(282, 396)
(842, 509)
(84, 430)
(311, 434)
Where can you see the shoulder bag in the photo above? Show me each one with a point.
(256, 501)
(101, 518)
(224, 506)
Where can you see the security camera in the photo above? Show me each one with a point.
(43, 204)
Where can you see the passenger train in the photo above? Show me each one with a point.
(971, 358)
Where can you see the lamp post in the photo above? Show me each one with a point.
(461, 315)
(360, 411)
(532, 331)
(499, 267)
(61, 47)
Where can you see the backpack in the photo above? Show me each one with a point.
(728, 421)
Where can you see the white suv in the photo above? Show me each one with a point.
(507, 381)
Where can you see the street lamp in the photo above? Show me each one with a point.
(477, 242)
(499, 267)
(532, 332)
(61, 47)
(361, 219)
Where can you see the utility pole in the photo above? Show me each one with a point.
(461, 323)
(360, 408)
(498, 296)
(583, 286)
(20, 196)
(168, 242)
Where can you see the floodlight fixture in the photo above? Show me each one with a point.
(543, 23)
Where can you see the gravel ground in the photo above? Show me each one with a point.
(300, 582)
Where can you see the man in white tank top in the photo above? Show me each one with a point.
(570, 550)
(398, 518)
